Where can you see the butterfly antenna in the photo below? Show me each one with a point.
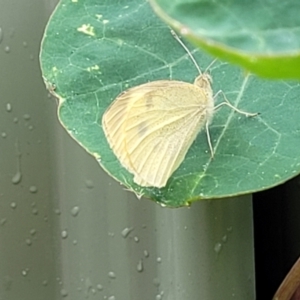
(186, 49)
(209, 66)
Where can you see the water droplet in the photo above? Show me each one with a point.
(45, 282)
(75, 211)
(112, 275)
(6, 49)
(35, 211)
(99, 287)
(136, 239)
(4, 135)
(25, 272)
(30, 127)
(146, 253)
(28, 242)
(158, 297)
(16, 120)
(25, 45)
(8, 107)
(64, 234)
(125, 232)
(156, 282)
(224, 238)
(140, 266)
(1, 35)
(33, 189)
(32, 232)
(89, 184)
(58, 212)
(17, 178)
(218, 247)
(159, 259)
(13, 205)
(26, 117)
(75, 242)
(111, 298)
(3, 221)
(229, 229)
(64, 293)
(31, 57)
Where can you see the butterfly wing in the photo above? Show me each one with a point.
(151, 127)
(161, 126)
(114, 118)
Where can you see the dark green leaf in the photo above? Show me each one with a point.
(261, 36)
(93, 50)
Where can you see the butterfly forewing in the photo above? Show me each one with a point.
(160, 127)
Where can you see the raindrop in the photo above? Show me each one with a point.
(140, 266)
(33, 189)
(4, 134)
(75, 211)
(136, 239)
(156, 282)
(17, 178)
(26, 117)
(32, 231)
(112, 275)
(89, 184)
(125, 232)
(35, 211)
(25, 45)
(45, 283)
(28, 242)
(111, 298)
(75, 242)
(58, 212)
(63, 293)
(146, 253)
(13, 205)
(7, 49)
(99, 287)
(64, 234)
(224, 238)
(25, 272)
(218, 247)
(1, 35)
(8, 107)
(159, 259)
(3, 221)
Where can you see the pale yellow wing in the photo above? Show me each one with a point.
(113, 119)
(151, 127)
(161, 126)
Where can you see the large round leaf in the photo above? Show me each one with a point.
(93, 50)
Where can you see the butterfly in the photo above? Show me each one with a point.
(151, 127)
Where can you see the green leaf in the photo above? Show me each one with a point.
(261, 36)
(93, 50)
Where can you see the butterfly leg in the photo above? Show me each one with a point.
(209, 140)
(227, 103)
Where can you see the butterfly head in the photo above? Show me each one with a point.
(203, 81)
